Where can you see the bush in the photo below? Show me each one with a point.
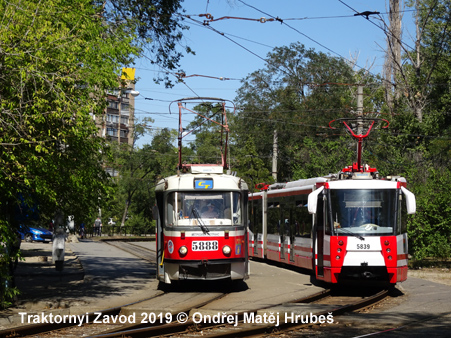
(140, 225)
(430, 229)
(9, 253)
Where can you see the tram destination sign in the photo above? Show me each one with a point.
(203, 183)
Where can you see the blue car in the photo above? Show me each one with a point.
(32, 233)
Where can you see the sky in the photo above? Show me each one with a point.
(233, 48)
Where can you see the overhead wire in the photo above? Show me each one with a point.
(375, 24)
(296, 30)
(224, 35)
(311, 39)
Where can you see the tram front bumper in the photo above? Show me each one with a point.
(205, 270)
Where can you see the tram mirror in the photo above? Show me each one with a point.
(410, 201)
(313, 200)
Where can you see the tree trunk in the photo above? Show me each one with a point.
(125, 213)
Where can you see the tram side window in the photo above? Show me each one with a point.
(286, 221)
(302, 220)
(170, 215)
(291, 225)
(236, 212)
(402, 216)
(319, 219)
(274, 218)
(256, 217)
(327, 215)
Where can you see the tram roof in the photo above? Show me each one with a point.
(363, 184)
(295, 187)
(185, 182)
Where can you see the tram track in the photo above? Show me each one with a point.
(241, 327)
(103, 321)
(37, 329)
(326, 300)
(96, 329)
(100, 323)
(139, 251)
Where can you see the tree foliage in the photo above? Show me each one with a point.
(139, 168)
(296, 95)
(58, 58)
(301, 90)
(156, 27)
(210, 135)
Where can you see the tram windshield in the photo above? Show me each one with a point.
(214, 208)
(363, 211)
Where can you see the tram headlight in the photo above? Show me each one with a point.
(389, 257)
(338, 250)
(183, 250)
(226, 250)
(388, 250)
(337, 257)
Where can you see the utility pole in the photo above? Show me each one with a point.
(392, 63)
(274, 156)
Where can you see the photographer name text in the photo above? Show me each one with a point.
(271, 318)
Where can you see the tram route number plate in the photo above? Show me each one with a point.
(204, 246)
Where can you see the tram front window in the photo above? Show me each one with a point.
(216, 208)
(363, 211)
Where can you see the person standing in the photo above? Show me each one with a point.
(97, 225)
(82, 230)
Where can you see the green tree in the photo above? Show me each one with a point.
(165, 153)
(430, 229)
(50, 84)
(249, 165)
(139, 169)
(296, 95)
(429, 101)
(57, 59)
(210, 137)
(156, 26)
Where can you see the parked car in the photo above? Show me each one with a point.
(31, 233)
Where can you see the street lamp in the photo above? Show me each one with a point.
(132, 92)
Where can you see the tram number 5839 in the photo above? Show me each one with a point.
(363, 246)
(204, 246)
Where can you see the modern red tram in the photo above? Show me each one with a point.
(201, 216)
(350, 226)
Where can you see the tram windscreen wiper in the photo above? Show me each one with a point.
(352, 233)
(205, 230)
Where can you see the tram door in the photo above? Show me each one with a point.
(292, 233)
(319, 236)
(256, 225)
(282, 230)
(158, 215)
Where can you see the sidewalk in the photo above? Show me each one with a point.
(102, 279)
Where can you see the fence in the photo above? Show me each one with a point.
(126, 230)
